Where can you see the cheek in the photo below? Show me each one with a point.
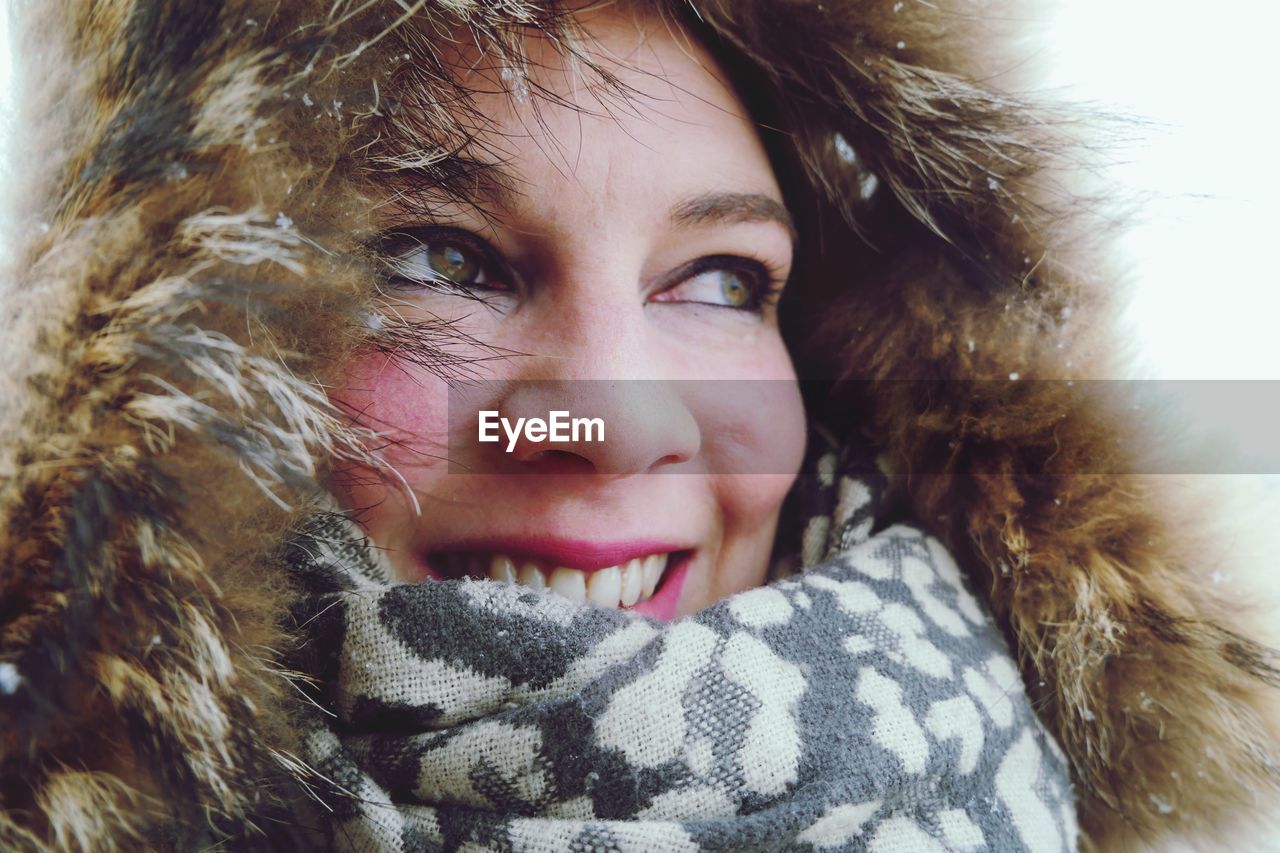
(754, 432)
(754, 424)
(409, 406)
(768, 448)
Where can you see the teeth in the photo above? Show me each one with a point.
(530, 575)
(652, 570)
(632, 582)
(605, 587)
(569, 583)
(622, 585)
(502, 569)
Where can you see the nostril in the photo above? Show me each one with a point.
(671, 459)
(545, 455)
(558, 461)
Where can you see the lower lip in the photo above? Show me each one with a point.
(663, 605)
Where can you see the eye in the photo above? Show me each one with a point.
(730, 282)
(447, 260)
(441, 260)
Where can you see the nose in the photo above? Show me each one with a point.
(593, 358)
(613, 428)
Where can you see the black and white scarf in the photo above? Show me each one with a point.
(864, 702)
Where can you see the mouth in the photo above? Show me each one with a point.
(648, 583)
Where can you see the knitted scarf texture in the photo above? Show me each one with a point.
(862, 700)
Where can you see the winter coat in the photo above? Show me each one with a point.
(190, 197)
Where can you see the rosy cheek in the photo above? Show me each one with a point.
(406, 404)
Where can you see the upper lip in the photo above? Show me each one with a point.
(581, 554)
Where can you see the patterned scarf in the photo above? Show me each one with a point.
(865, 702)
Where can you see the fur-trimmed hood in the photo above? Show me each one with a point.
(188, 273)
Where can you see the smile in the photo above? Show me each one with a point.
(648, 582)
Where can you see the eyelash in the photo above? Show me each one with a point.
(395, 246)
(765, 280)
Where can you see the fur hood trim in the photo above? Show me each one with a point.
(188, 272)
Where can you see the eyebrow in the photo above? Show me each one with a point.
(715, 208)
(477, 182)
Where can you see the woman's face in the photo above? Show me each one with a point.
(641, 242)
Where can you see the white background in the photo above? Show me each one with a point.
(1206, 300)
(1205, 291)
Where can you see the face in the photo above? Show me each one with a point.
(631, 266)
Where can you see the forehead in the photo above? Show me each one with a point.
(633, 101)
(608, 59)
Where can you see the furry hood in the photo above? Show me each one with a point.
(190, 206)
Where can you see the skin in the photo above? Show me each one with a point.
(592, 282)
